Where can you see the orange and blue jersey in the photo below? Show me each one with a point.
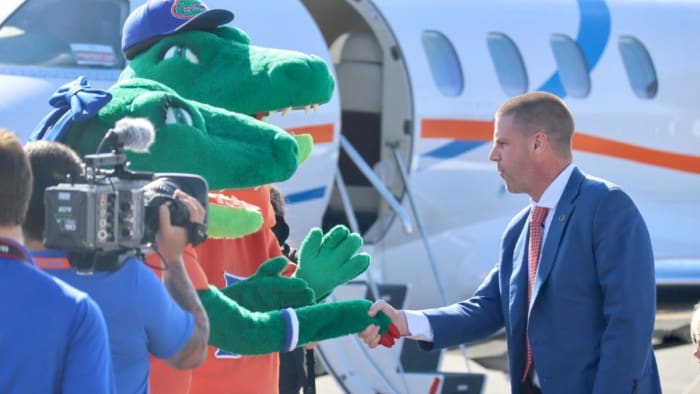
(221, 262)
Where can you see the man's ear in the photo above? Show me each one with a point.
(539, 140)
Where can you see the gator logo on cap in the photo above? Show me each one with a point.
(187, 9)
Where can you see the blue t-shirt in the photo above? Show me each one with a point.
(141, 315)
(53, 337)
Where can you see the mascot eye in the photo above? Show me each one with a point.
(179, 51)
(177, 115)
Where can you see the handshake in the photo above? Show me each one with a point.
(271, 327)
(374, 335)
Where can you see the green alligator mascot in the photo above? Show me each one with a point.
(185, 46)
(189, 135)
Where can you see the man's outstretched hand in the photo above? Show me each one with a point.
(330, 260)
(267, 290)
(374, 336)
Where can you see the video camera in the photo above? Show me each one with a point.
(111, 213)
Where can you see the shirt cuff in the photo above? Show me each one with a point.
(418, 326)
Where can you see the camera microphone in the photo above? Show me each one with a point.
(134, 134)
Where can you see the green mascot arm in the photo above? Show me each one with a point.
(330, 260)
(336, 319)
(267, 290)
(238, 330)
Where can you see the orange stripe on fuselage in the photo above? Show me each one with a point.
(477, 130)
(622, 150)
(473, 130)
(322, 133)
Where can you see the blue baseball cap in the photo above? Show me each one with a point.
(157, 18)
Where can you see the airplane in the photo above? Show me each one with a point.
(401, 149)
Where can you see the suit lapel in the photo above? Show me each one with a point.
(518, 283)
(560, 219)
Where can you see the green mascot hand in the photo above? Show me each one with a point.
(267, 290)
(336, 319)
(237, 330)
(328, 261)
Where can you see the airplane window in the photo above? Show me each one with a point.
(573, 69)
(508, 63)
(64, 33)
(641, 73)
(444, 63)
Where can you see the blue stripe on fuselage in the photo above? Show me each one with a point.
(454, 148)
(306, 195)
(593, 35)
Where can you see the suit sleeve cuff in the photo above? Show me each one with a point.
(419, 326)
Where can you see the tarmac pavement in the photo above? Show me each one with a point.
(679, 370)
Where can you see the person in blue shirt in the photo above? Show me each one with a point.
(53, 337)
(143, 315)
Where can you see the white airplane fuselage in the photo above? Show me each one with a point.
(395, 98)
(650, 146)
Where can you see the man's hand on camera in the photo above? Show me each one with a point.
(172, 240)
(196, 209)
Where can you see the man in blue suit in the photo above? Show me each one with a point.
(575, 290)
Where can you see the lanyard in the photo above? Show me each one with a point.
(12, 250)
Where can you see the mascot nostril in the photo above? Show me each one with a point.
(292, 70)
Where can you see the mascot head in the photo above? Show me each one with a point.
(185, 46)
(230, 150)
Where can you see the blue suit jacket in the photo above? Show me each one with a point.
(594, 302)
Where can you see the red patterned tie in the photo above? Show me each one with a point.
(536, 227)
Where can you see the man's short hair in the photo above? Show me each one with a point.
(52, 162)
(541, 111)
(277, 200)
(16, 176)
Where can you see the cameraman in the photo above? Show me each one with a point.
(49, 332)
(141, 316)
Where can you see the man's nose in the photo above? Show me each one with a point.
(492, 154)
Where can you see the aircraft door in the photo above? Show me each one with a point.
(376, 116)
(359, 81)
